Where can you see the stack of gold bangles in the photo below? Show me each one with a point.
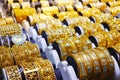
(93, 63)
(107, 39)
(22, 5)
(10, 29)
(21, 14)
(59, 33)
(73, 45)
(18, 54)
(40, 69)
(5, 21)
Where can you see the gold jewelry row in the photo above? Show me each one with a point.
(6, 21)
(71, 45)
(10, 29)
(17, 53)
(40, 69)
(94, 63)
(107, 39)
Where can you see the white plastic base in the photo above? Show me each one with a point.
(67, 71)
(52, 55)
(117, 70)
(41, 42)
(32, 32)
(25, 25)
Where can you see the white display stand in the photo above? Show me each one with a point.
(41, 42)
(37, 38)
(25, 25)
(52, 55)
(32, 32)
(67, 71)
(117, 70)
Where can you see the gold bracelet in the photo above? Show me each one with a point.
(13, 73)
(32, 50)
(100, 39)
(62, 49)
(95, 62)
(88, 64)
(82, 73)
(9, 20)
(103, 62)
(19, 54)
(2, 22)
(6, 58)
(115, 35)
(22, 14)
(44, 3)
(109, 60)
(25, 5)
(46, 71)
(30, 71)
(85, 42)
(70, 47)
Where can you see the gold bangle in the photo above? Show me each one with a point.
(6, 58)
(70, 47)
(109, 60)
(62, 49)
(103, 62)
(13, 73)
(45, 69)
(88, 64)
(9, 20)
(100, 39)
(82, 73)
(44, 3)
(2, 22)
(32, 50)
(115, 35)
(22, 57)
(30, 71)
(95, 62)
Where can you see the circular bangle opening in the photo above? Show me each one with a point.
(92, 39)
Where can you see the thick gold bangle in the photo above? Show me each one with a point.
(22, 14)
(44, 3)
(103, 62)
(85, 42)
(115, 35)
(30, 71)
(109, 60)
(95, 63)
(19, 54)
(82, 73)
(32, 50)
(9, 20)
(6, 58)
(25, 5)
(62, 49)
(13, 73)
(2, 22)
(100, 39)
(88, 64)
(46, 71)
(70, 47)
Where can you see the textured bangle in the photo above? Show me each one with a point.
(30, 71)
(46, 71)
(13, 73)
